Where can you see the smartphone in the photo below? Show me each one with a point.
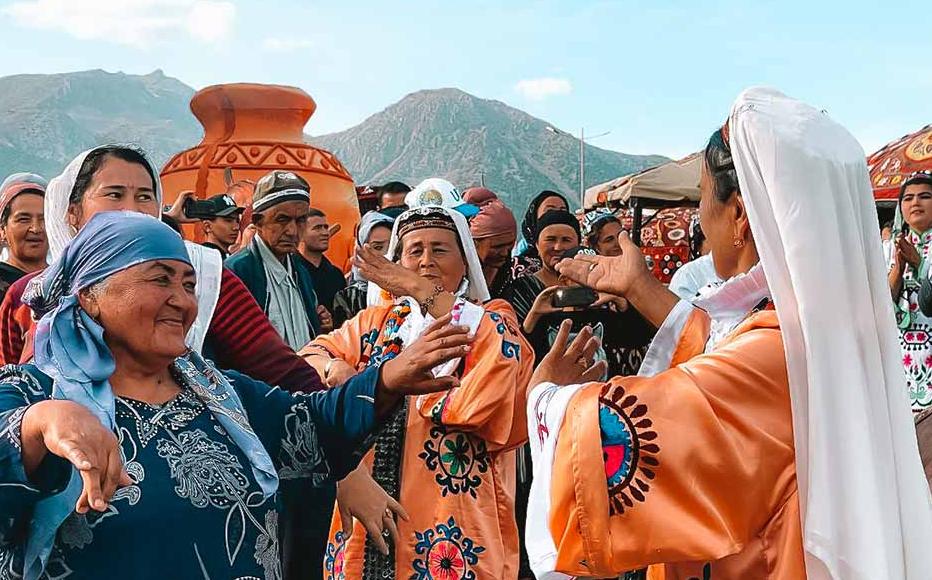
(198, 208)
(574, 297)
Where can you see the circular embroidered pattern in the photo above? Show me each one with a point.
(458, 457)
(445, 554)
(629, 449)
(336, 554)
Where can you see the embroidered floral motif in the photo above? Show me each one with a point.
(301, 456)
(446, 554)
(459, 457)
(509, 349)
(267, 553)
(628, 449)
(335, 557)
(206, 472)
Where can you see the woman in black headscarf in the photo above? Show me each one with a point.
(527, 261)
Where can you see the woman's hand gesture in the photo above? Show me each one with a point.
(573, 364)
(360, 497)
(68, 430)
(409, 373)
(611, 275)
(387, 275)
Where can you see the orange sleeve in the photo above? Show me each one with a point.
(688, 465)
(348, 341)
(492, 396)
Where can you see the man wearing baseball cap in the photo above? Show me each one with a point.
(22, 227)
(223, 227)
(269, 267)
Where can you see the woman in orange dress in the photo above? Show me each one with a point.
(768, 435)
(448, 460)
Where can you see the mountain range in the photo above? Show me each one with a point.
(45, 120)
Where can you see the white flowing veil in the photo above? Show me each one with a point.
(866, 507)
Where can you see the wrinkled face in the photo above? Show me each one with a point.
(146, 310)
(607, 244)
(117, 185)
(553, 242)
(917, 206)
(317, 234)
(495, 251)
(434, 254)
(550, 204)
(718, 224)
(24, 231)
(281, 226)
(378, 239)
(223, 230)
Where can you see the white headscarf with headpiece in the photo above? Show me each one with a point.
(208, 263)
(866, 507)
(473, 288)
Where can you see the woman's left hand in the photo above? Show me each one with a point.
(573, 364)
(384, 273)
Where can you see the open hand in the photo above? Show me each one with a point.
(69, 430)
(387, 275)
(573, 364)
(907, 252)
(409, 373)
(612, 275)
(360, 497)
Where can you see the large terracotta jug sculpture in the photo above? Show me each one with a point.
(251, 129)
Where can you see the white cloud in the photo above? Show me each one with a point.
(138, 23)
(275, 44)
(540, 89)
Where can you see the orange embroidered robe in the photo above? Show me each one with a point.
(455, 473)
(692, 469)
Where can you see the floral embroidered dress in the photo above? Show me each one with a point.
(447, 457)
(194, 509)
(915, 327)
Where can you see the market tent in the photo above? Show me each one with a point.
(894, 162)
(670, 182)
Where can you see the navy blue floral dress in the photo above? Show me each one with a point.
(194, 509)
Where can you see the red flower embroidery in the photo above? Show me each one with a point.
(446, 562)
(909, 337)
(907, 361)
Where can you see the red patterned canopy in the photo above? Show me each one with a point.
(894, 162)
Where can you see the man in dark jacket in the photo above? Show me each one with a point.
(270, 266)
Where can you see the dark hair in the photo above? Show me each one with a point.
(96, 158)
(593, 238)
(314, 212)
(391, 187)
(721, 167)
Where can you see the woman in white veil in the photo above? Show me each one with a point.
(756, 443)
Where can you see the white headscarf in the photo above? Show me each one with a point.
(207, 263)
(474, 287)
(866, 507)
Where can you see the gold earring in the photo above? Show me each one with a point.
(738, 242)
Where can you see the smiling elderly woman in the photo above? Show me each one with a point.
(445, 458)
(119, 429)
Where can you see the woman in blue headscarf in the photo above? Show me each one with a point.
(119, 430)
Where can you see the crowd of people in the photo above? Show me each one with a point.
(470, 399)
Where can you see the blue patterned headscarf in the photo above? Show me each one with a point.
(70, 349)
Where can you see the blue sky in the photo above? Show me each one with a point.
(659, 75)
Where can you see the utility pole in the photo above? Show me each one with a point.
(582, 158)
